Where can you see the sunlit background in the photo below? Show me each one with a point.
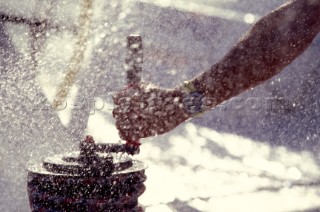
(258, 152)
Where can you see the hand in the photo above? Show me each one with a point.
(142, 111)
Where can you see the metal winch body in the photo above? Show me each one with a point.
(98, 178)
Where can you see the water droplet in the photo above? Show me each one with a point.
(249, 18)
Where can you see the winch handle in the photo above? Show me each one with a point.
(89, 148)
(133, 67)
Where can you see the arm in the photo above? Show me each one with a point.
(272, 43)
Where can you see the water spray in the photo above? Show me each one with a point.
(98, 177)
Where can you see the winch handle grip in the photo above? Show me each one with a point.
(134, 60)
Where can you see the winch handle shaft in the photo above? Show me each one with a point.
(134, 62)
(134, 59)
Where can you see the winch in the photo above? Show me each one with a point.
(99, 177)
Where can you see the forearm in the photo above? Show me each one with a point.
(271, 44)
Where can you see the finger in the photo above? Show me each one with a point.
(128, 136)
(124, 136)
(120, 111)
(123, 93)
(116, 113)
(133, 143)
(144, 128)
(126, 96)
(118, 96)
(136, 129)
(123, 125)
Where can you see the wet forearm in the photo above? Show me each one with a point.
(271, 44)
